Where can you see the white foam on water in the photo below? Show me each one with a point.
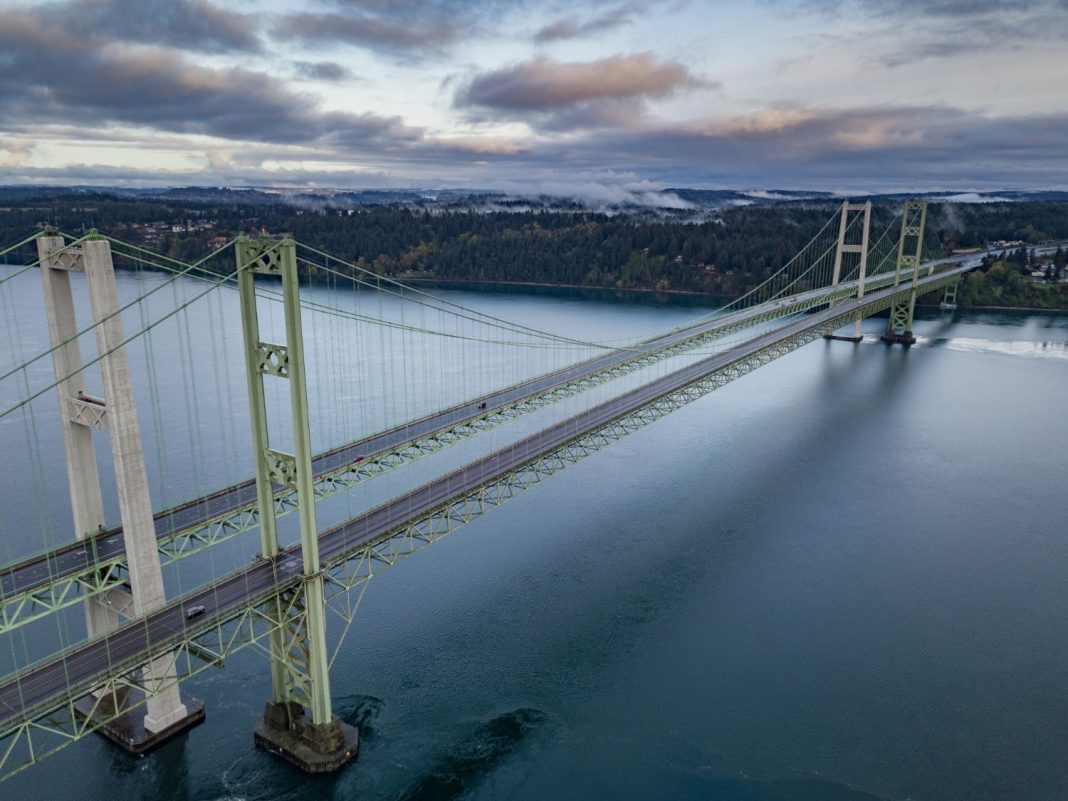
(1019, 347)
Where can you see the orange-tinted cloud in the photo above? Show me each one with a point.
(544, 84)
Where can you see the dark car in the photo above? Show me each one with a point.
(195, 611)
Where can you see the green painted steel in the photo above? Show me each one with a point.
(949, 297)
(318, 688)
(248, 254)
(909, 250)
(298, 655)
(61, 592)
(42, 730)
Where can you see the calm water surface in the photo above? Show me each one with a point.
(841, 577)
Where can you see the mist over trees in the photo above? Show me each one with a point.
(722, 253)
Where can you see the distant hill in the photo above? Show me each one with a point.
(597, 198)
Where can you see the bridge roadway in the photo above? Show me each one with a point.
(42, 570)
(48, 685)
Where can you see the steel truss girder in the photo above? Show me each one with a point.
(296, 654)
(343, 575)
(199, 647)
(22, 609)
(41, 732)
(901, 315)
(19, 609)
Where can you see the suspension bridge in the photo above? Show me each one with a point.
(142, 640)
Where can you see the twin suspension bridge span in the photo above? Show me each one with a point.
(278, 603)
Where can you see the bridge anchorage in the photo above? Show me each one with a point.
(168, 711)
(298, 723)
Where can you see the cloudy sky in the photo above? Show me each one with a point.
(852, 95)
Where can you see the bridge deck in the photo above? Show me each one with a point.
(41, 570)
(52, 682)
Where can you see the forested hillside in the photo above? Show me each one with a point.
(723, 253)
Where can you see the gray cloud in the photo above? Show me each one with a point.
(865, 149)
(426, 34)
(322, 70)
(916, 146)
(103, 175)
(902, 148)
(410, 30)
(158, 89)
(947, 37)
(622, 114)
(960, 8)
(564, 96)
(573, 28)
(73, 83)
(939, 29)
(544, 84)
(186, 24)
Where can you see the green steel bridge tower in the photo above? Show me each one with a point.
(298, 722)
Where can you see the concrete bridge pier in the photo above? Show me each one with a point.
(168, 711)
(288, 731)
(861, 249)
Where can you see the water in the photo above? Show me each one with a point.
(840, 577)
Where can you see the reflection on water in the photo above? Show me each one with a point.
(468, 760)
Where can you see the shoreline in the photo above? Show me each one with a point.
(677, 292)
(994, 308)
(444, 283)
(1013, 308)
(544, 285)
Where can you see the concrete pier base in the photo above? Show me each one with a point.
(128, 730)
(287, 733)
(841, 338)
(905, 338)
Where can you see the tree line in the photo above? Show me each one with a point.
(723, 253)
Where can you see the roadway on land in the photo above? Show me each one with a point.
(47, 685)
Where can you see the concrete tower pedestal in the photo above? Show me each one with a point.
(287, 732)
(904, 338)
(128, 730)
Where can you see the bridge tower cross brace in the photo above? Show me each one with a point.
(909, 252)
(860, 248)
(949, 297)
(116, 414)
(298, 723)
